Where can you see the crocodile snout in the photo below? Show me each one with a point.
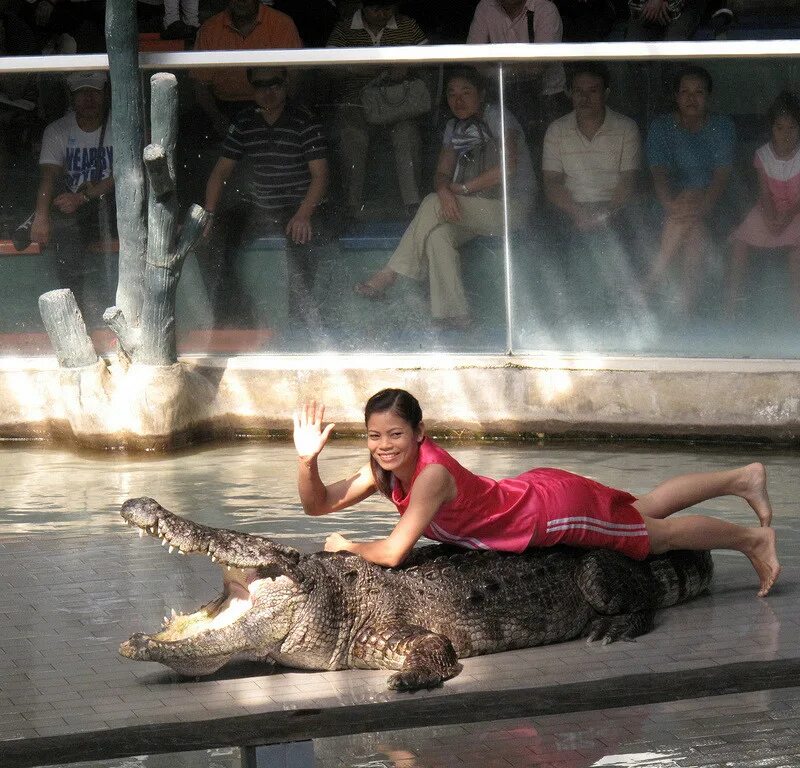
(136, 647)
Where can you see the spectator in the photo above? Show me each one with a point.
(376, 23)
(243, 25)
(535, 92)
(590, 162)
(82, 21)
(774, 222)
(287, 149)
(460, 208)
(75, 201)
(181, 19)
(690, 152)
(664, 19)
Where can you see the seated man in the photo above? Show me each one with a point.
(75, 201)
(287, 150)
(376, 23)
(590, 162)
(690, 153)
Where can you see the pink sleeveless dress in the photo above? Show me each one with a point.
(539, 508)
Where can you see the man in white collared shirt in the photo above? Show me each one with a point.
(590, 165)
(376, 23)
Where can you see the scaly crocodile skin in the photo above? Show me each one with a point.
(337, 611)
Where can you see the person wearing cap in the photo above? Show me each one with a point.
(286, 148)
(74, 202)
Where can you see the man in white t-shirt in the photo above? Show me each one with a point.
(74, 203)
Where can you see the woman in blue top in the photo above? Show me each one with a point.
(690, 152)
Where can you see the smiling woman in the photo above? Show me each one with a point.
(438, 498)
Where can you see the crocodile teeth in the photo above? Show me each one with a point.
(141, 532)
(163, 541)
(213, 559)
(171, 548)
(174, 614)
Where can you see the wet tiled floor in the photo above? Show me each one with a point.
(75, 583)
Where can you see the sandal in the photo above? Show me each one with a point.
(369, 291)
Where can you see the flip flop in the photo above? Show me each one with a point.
(369, 291)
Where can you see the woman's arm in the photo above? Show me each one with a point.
(433, 487)
(713, 192)
(309, 440)
(661, 186)
(442, 179)
(491, 177)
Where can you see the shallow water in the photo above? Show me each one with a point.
(251, 487)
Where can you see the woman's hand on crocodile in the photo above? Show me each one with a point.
(309, 435)
(336, 543)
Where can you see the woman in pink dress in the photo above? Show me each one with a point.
(774, 222)
(438, 498)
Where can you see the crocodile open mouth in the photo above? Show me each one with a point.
(186, 537)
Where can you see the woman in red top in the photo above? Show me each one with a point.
(442, 500)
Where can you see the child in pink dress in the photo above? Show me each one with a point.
(774, 222)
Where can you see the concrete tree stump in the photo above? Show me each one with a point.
(145, 397)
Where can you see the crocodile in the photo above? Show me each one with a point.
(334, 611)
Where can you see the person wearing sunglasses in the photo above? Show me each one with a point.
(286, 149)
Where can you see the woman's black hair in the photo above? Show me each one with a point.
(407, 407)
(692, 70)
(786, 103)
(470, 74)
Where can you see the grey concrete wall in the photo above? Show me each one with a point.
(461, 396)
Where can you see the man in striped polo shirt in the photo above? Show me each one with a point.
(376, 23)
(286, 148)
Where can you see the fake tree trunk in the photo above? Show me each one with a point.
(145, 392)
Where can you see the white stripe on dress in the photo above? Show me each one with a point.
(597, 529)
(595, 521)
(467, 541)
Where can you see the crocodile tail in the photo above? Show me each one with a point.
(680, 575)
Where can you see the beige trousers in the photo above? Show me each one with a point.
(354, 134)
(430, 244)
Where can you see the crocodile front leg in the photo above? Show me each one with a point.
(424, 659)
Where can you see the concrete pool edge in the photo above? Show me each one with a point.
(405, 712)
(467, 395)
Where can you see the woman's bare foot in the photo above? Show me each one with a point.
(375, 287)
(764, 558)
(752, 487)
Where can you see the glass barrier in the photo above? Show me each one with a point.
(430, 207)
(650, 237)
